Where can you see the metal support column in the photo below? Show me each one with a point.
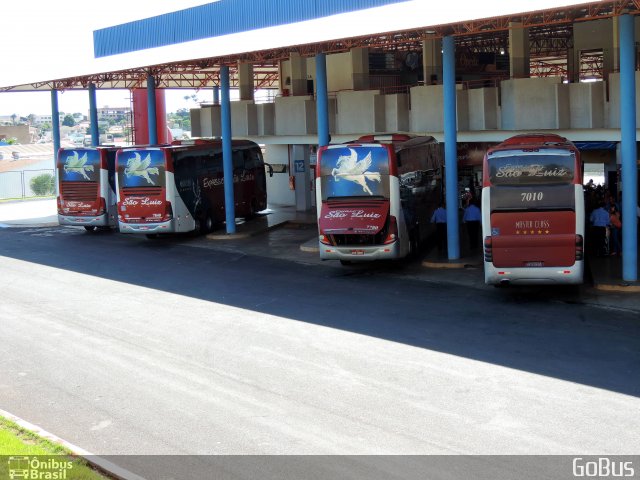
(450, 140)
(227, 158)
(629, 150)
(216, 95)
(322, 99)
(93, 116)
(152, 121)
(55, 124)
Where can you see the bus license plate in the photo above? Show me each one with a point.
(357, 252)
(534, 264)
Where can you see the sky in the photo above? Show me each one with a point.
(54, 41)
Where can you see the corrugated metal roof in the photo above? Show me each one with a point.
(216, 19)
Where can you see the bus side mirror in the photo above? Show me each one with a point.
(270, 168)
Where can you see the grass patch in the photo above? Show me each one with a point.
(16, 441)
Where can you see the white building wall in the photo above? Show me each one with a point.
(396, 112)
(278, 192)
(339, 72)
(360, 112)
(613, 110)
(563, 110)
(427, 109)
(586, 104)
(244, 118)
(295, 115)
(529, 103)
(483, 109)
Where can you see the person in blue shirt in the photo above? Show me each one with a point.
(600, 220)
(472, 218)
(439, 217)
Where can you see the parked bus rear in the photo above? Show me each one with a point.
(86, 187)
(533, 211)
(180, 188)
(146, 192)
(366, 209)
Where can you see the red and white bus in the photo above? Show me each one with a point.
(533, 217)
(86, 187)
(375, 196)
(180, 187)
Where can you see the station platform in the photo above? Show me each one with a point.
(281, 231)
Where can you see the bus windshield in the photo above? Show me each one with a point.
(79, 165)
(526, 169)
(141, 168)
(355, 171)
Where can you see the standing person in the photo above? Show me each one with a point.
(472, 218)
(439, 217)
(600, 221)
(615, 229)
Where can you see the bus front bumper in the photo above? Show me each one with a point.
(359, 253)
(148, 228)
(85, 221)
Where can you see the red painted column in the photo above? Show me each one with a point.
(141, 121)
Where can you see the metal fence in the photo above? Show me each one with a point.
(18, 183)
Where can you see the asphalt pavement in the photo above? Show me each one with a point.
(189, 346)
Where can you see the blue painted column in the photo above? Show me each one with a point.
(628, 150)
(55, 124)
(152, 121)
(216, 95)
(450, 141)
(322, 100)
(227, 158)
(93, 116)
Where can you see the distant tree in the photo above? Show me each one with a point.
(13, 118)
(31, 118)
(43, 185)
(68, 121)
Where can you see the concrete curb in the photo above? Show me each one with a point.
(246, 234)
(621, 287)
(103, 465)
(310, 247)
(449, 264)
(12, 224)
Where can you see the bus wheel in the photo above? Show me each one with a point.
(254, 208)
(208, 223)
(89, 228)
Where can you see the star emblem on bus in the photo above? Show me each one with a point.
(77, 164)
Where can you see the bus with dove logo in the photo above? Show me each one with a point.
(533, 217)
(375, 196)
(180, 187)
(86, 187)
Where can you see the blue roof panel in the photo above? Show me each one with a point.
(216, 19)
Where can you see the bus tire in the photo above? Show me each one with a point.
(253, 212)
(208, 223)
(197, 229)
(89, 228)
